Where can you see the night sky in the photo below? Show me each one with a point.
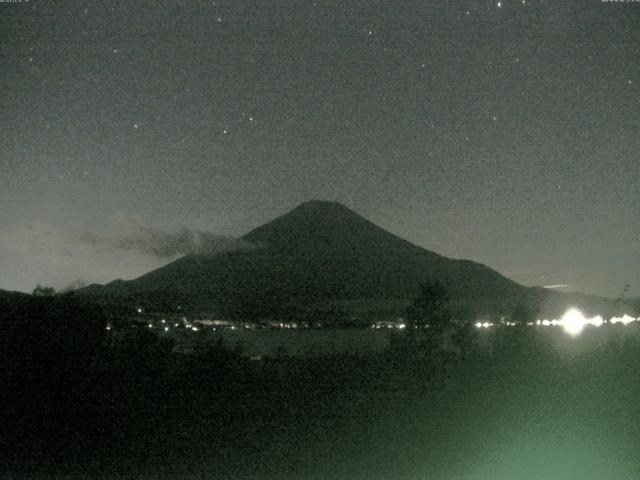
(503, 132)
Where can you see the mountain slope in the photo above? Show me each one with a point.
(318, 254)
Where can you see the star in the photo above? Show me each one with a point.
(499, 4)
(135, 125)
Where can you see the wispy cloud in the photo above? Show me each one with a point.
(127, 233)
(126, 247)
(136, 236)
(559, 286)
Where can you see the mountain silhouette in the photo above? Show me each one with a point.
(323, 256)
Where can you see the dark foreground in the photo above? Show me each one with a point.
(517, 403)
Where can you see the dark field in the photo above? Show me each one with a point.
(527, 403)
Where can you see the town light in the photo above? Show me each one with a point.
(573, 321)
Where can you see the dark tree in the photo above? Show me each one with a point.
(620, 305)
(430, 308)
(42, 291)
(50, 348)
(524, 313)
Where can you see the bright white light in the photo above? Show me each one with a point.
(483, 324)
(195, 329)
(596, 321)
(166, 329)
(625, 320)
(401, 326)
(573, 321)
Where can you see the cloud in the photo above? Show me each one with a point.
(75, 285)
(56, 255)
(128, 233)
(131, 234)
(165, 244)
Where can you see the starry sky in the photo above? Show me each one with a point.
(505, 132)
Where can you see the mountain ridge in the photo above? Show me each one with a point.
(317, 255)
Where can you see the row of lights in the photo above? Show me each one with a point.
(378, 326)
(573, 322)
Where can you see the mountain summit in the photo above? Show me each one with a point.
(319, 255)
(327, 227)
(306, 221)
